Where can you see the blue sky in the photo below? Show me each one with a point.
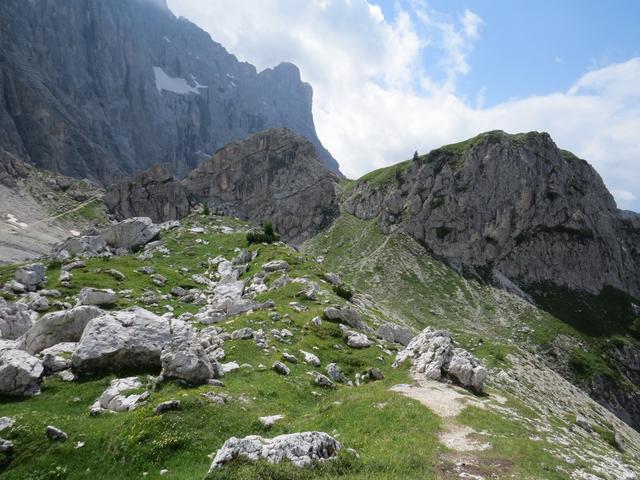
(394, 76)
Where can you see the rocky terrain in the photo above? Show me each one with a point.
(179, 350)
(270, 176)
(101, 90)
(39, 209)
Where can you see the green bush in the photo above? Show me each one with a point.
(343, 291)
(205, 209)
(268, 235)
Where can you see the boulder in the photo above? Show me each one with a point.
(58, 327)
(15, 319)
(96, 296)
(436, 357)
(275, 265)
(57, 358)
(332, 278)
(183, 358)
(131, 233)
(345, 315)
(358, 340)
(280, 368)
(84, 246)
(31, 276)
(322, 380)
(119, 398)
(56, 434)
(167, 406)
(310, 358)
(395, 333)
(128, 339)
(301, 449)
(6, 446)
(334, 373)
(20, 373)
(372, 375)
(36, 302)
(270, 421)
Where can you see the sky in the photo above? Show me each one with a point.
(394, 76)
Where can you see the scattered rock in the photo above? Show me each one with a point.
(131, 233)
(334, 373)
(20, 373)
(358, 340)
(96, 296)
(117, 274)
(372, 375)
(345, 315)
(275, 266)
(6, 446)
(159, 280)
(322, 380)
(270, 421)
(56, 434)
(122, 340)
(310, 358)
(280, 368)
(57, 358)
(167, 407)
(332, 278)
(289, 358)
(395, 333)
(31, 276)
(15, 319)
(301, 449)
(58, 327)
(119, 398)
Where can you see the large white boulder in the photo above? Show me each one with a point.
(131, 233)
(436, 357)
(31, 276)
(96, 296)
(58, 327)
(20, 373)
(124, 340)
(301, 449)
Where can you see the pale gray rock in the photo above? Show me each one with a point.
(57, 358)
(372, 375)
(346, 315)
(56, 434)
(289, 358)
(395, 333)
(358, 340)
(6, 446)
(275, 265)
(310, 358)
(168, 406)
(83, 246)
(20, 373)
(35, 301)
(280, 368)
(121, 340)
(322, 380)
(96, 296)
(131, 233)
(31, 276)
(270, 420)
(436, 357)
(58, 327)
(301, 449)
(184, 359)
(332, 278)
(15, 319)
(6, 422)
(119, 398)
(334, 373)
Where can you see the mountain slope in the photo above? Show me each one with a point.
(100, 90)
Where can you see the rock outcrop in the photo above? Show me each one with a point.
(271, 176)
(101, 90)
(514, 206)
(301, 449)
(20, 373)
(436, 357)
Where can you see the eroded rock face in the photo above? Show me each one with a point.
(301, 449)
(272, 176)
(120, 341)
(514, 204)
(436, 357)
(20, 373)
(131, 115)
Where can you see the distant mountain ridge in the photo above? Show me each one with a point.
(101, 90)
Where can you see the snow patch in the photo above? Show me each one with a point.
(166, 39)
(75, 233)
(14, 221)
(174, 84)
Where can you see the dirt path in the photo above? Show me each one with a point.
(448, 402)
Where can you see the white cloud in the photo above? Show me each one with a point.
(374, 103)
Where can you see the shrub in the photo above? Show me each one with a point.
(205, 209)
(343, 291)
(268, 235)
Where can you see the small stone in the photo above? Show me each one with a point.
(280, 368)
(310, 358)
(270, 421)
(6, 446)
(56, 434)
(372, 375)
(167, 406)
(322, 380)
(289, 358)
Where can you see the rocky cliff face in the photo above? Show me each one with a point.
(511, 206)
(270, 176)
(100, 90)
